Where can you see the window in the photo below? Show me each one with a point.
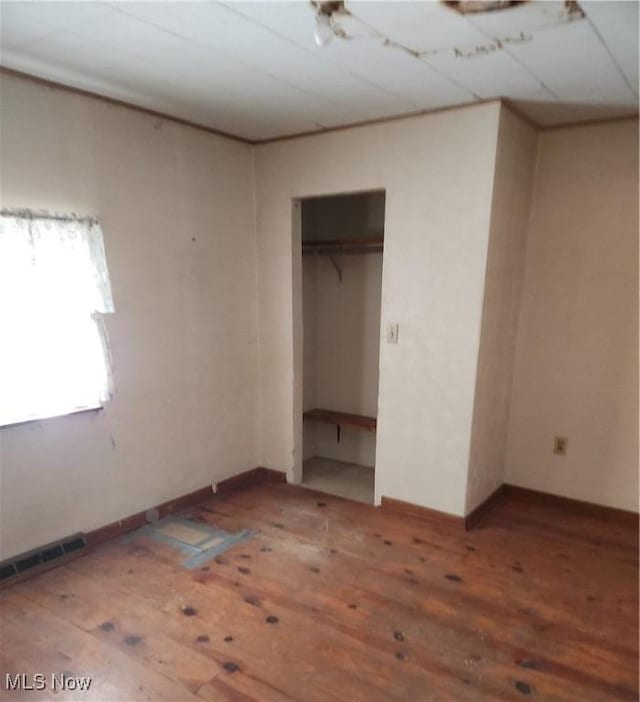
(54, 287)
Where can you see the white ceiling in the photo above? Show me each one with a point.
(252, 69)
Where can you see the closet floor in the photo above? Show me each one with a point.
(348, 480)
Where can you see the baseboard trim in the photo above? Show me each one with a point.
(111, 531)
(476, 515)
(255, 476)
(135, 521)
(591, 509)
(408, 509)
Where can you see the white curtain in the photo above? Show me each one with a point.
(54, 285)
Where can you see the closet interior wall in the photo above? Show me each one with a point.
(341, 324)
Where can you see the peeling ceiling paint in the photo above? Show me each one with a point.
(569, 11)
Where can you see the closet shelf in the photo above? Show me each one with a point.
(345, 246)
(341, 418)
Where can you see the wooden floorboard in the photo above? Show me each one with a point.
(337, 600)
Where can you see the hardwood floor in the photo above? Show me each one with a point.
(336, 600)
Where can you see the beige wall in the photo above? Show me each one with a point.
(203, 392)
(511, 204)
(576, 371)
(437, 171)
(176, 209)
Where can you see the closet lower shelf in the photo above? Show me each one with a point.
(341, 419)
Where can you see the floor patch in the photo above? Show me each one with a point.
(200, 542)
(186, 533)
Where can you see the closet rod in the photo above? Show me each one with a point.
(344, 246)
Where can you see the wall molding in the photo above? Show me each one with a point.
(434, 516)
(593, 122)
(477, 514)
(95, 537)
(243, 480)
(377, 120)
(260, 474)
(4, 70)
(475, 518)
(139, 519)
(506, 102)
(121, 103)
(408, 509)
(249, 478)
(592, 509)
(114, 529)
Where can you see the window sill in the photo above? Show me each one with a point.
(50, 417)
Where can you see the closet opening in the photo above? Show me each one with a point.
(342, 246)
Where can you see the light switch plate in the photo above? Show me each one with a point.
(392, 333)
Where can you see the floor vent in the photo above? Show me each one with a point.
(44, 556)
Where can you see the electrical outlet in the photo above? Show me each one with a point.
(560, 445)
(392, 333)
